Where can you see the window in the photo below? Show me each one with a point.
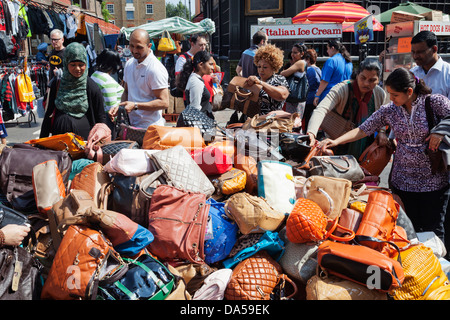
(110, 8)
(130, 1)
(148, 9)
(130, 15)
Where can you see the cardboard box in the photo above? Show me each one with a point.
(433, 15)
(401, 16)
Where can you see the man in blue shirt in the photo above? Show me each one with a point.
(246, 67)
(336, 69)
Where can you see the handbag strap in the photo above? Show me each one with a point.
(429, 113)
(337, 165)
(192, 224)
(285, 278)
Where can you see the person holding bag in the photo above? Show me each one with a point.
(354, 100)
(424, 193)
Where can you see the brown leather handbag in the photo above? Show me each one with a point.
(90, 179)
(256, 278)
(249, 165)
(162, 137)
(278, 121)
(178, 221)
(375, 158)
(242, 97)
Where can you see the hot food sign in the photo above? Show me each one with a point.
(300, 31)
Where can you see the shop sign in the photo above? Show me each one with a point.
(299, 31)
(439, 28)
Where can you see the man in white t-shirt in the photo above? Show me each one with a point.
(145, 83)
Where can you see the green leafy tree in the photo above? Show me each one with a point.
(105, 13)
(179, 10)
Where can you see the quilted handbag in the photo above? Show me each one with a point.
(212, 160)
(335, 288)
(192, 117)
(375, 158)
(91, 179)
(185, 214)
(89, 255)
(181, 171)
(423, 274)
(319, 188)
(252, 214)
(221, 233)
(270, 242)
(162, 137)
(230, 182)
(145, 279)
(307, 222)
(345, 167)
(48, 185)
(69, 142)
(352, 262)
(276, 185)
(256, 278)
(294, 146)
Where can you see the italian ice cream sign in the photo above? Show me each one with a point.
(364, 30)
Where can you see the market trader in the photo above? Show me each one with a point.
(434, 71)
(145, 83)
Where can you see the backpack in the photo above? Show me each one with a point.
(298, 88)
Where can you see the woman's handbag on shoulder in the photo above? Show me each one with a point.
(298, 88)
(334, 125)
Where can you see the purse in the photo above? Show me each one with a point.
(109, 149)
(221, 233)
(166, 42)
(48, 185)
(161, 138)
(375, 158)
(241, 97)
(130, 162)
(192, 117)
(181, 171)
(352, 262)
(11, 216)
(91, 179)
(423, 274)
(335, 288)
(212, 160)
(249, 165)
(70, 142)
(185, 214)
(294, 146)
(256, 278)
(319, 189)
(298, 88)
(345, 167)
(334, 125)
(308, 223)
(146, 279)
(276, 185)
(89, 254)
(21, 274)
(252, 214)
(230, 182)
(16, 173)
(278, 121)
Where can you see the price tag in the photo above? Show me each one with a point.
(404, 45)
(17, 274)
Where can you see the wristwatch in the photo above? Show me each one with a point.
(135, 106)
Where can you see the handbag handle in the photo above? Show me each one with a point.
(330, 200)
(238, 94)
(328, 160)
(285, 278)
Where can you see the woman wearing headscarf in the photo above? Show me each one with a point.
(75, 103)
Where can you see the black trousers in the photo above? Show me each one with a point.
(427, 211)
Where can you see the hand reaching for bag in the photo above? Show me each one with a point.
(14, 234)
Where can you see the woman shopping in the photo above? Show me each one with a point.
(76, 102)
(423, 191)
(354, 100)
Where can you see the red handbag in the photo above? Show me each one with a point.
(212, 160)
(178, 221)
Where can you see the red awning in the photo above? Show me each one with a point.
(106, 27)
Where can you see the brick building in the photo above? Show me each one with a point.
(133, 13)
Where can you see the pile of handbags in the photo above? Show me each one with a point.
(163, 215)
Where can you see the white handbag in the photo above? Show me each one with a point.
(131, 162)
(276, 184)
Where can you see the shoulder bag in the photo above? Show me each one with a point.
(298, 88)
(344, 167)
(123, 130)
(375, 158)
(69, 142)
(275, 121)
(192, 117)
(241, 97)
(162, 137)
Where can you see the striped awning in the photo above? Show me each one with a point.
(339, 12)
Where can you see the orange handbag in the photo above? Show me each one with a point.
(375, 158)
(161, 138)
(307, 222)
(379, 220)
(72, 143)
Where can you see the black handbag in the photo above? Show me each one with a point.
(145, 279)
(20, 273)
(191, 117)
(298, 88)
(11, 216)
(294, 146)
(124, 131)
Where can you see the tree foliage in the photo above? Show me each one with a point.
(179, 10)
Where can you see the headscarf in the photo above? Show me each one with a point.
(72, 93)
